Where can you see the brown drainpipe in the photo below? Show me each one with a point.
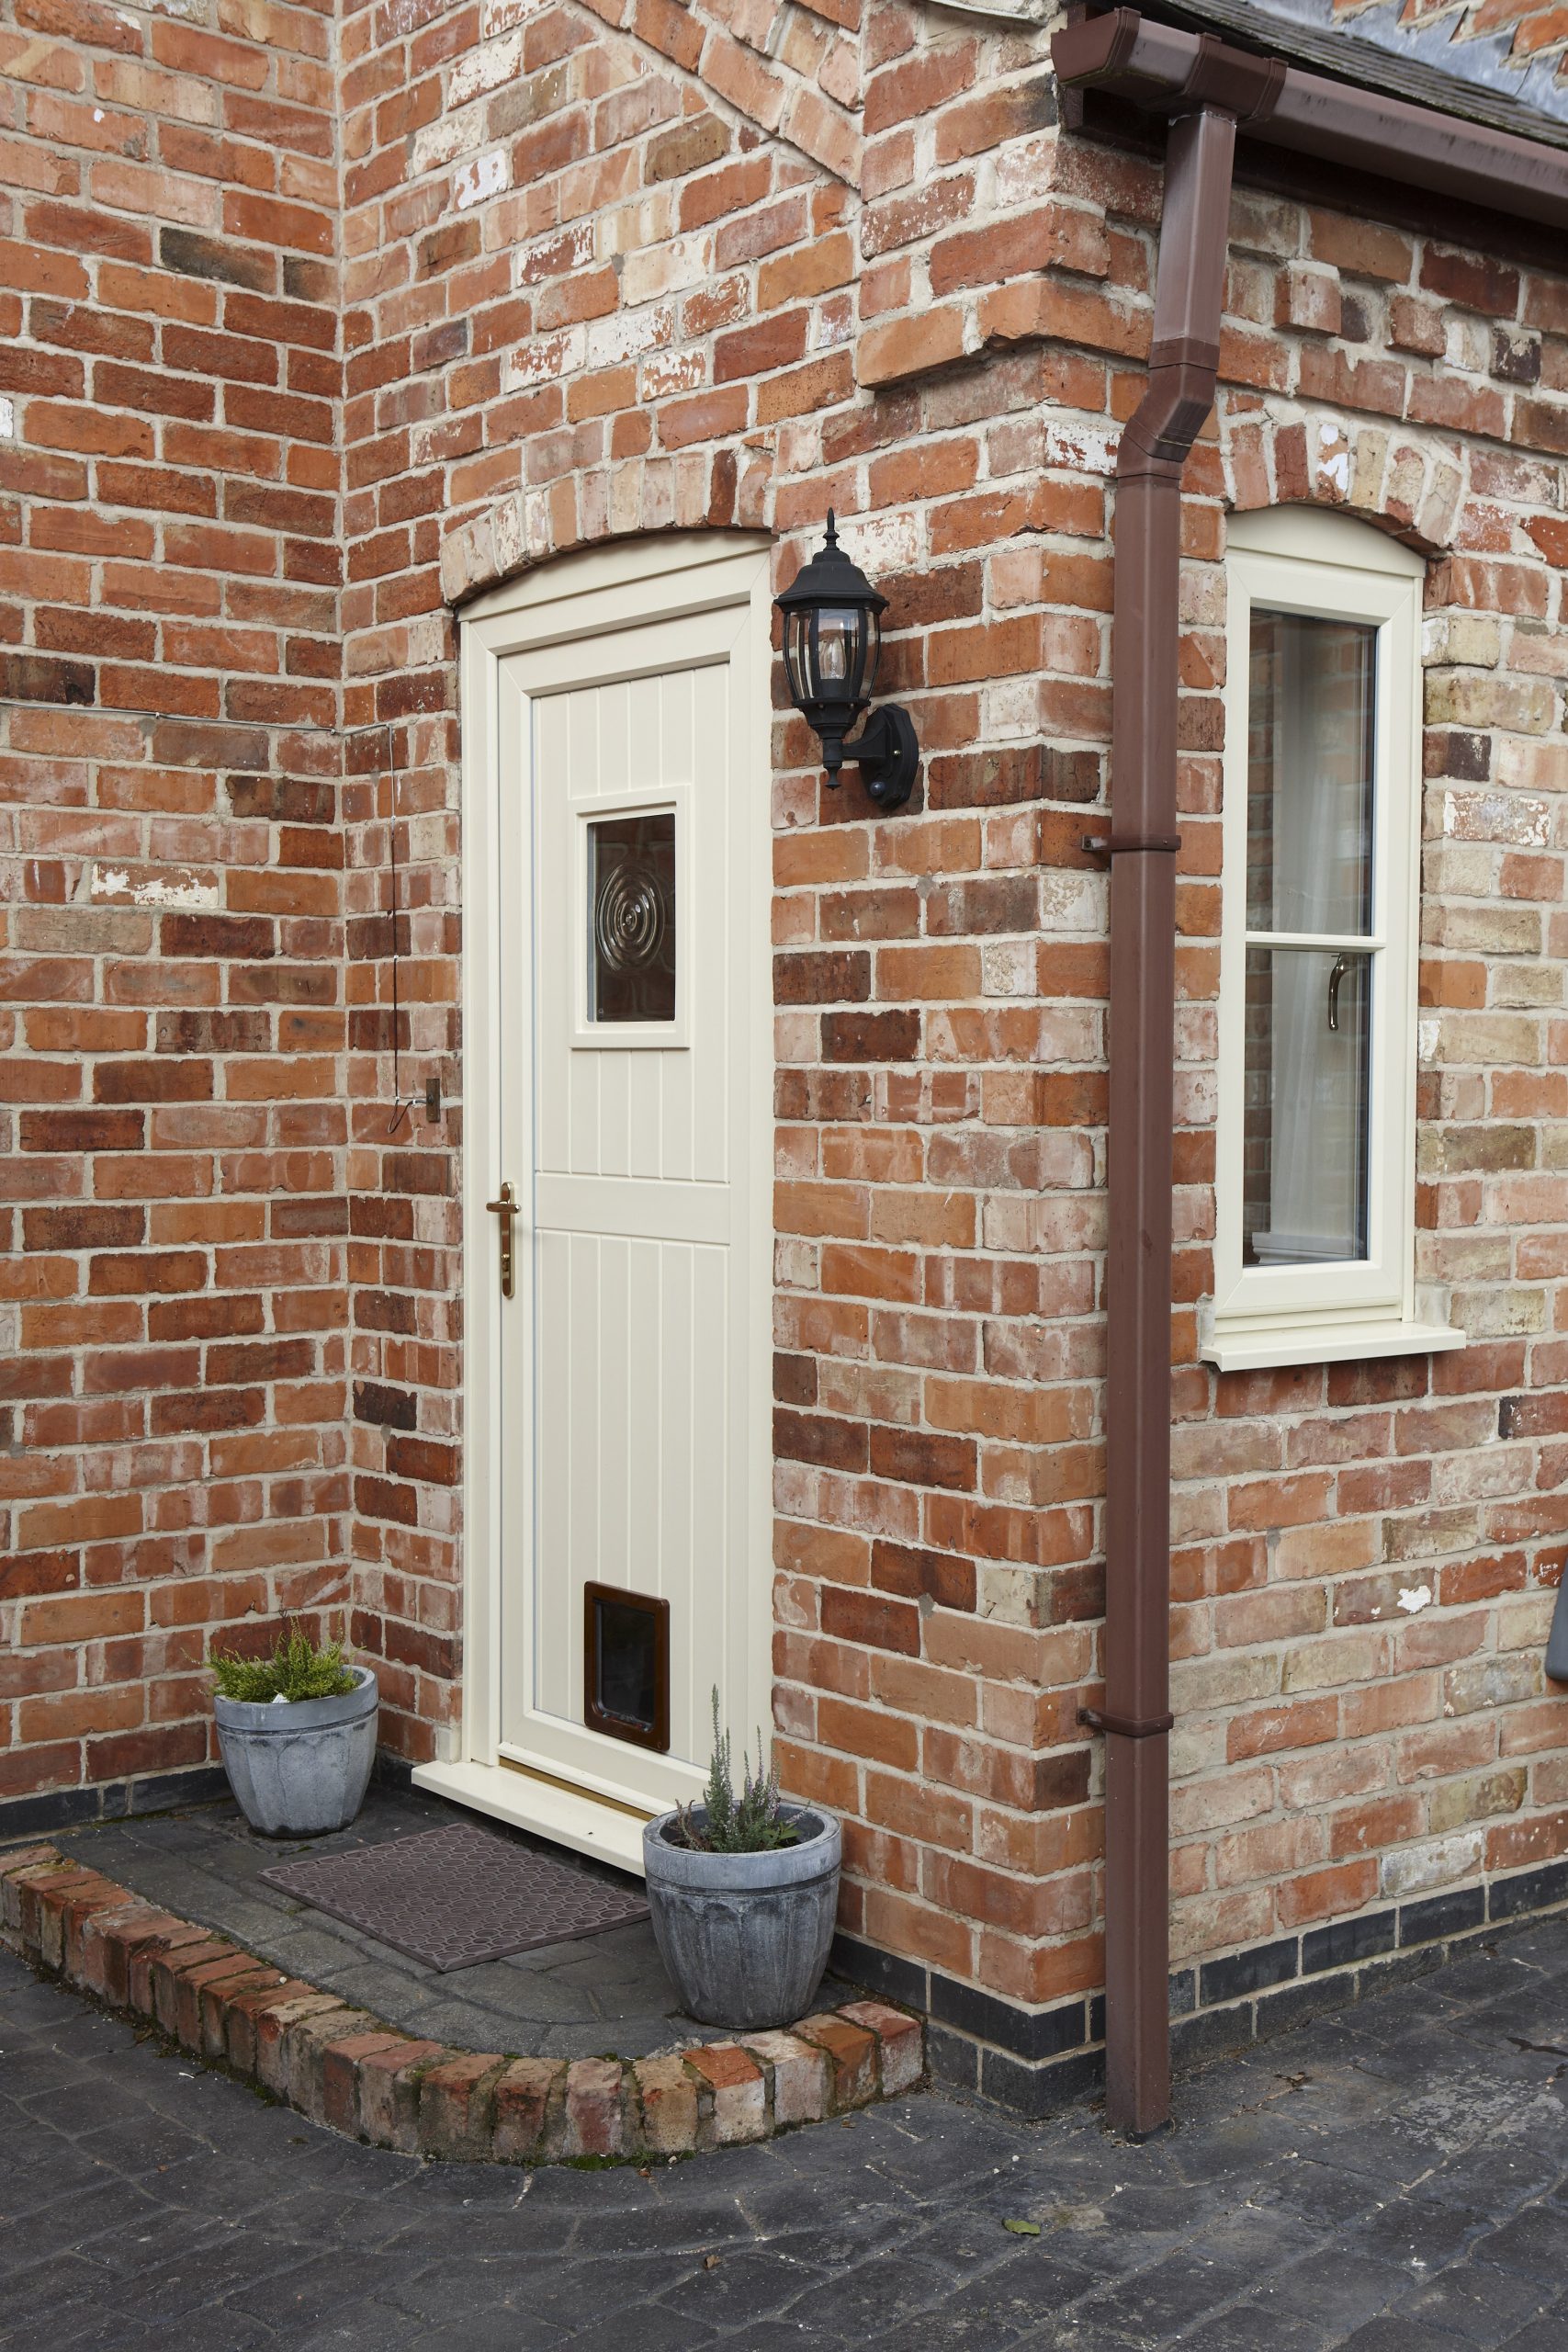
(1207, 89)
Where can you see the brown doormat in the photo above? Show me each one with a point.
(453, 1897)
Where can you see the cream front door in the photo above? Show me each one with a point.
(627, 1509)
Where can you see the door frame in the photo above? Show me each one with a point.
(599, 592)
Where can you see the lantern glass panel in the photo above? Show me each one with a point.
(797, 639)
(872, 651)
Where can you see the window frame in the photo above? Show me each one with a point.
(589, 1036)
(1332, 567)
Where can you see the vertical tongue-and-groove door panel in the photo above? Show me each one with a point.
(633, 1472)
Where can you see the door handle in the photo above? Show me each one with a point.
(506, 1209)
(1341, 965)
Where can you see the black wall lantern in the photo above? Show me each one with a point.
(832, 634)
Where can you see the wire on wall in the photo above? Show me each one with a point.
(428, 1098)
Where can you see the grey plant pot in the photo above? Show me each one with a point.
(1557, 1640)
(304, 1768)
(745, 1937)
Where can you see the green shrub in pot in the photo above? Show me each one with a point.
(297, 1731)
(743, 1890)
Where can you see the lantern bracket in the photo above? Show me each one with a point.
(888, 752)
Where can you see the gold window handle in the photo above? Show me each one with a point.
(506, 1209)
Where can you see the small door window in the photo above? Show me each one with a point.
(632, 915)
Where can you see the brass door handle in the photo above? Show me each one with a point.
(506, 1209)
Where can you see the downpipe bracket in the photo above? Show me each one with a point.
(1125, 844)
(1126, 1726)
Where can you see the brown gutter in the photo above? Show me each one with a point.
(1166, 71)
(1208, 89)
(1183, 363)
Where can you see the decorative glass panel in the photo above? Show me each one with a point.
(631, 917)
(1309, 849)
(1307, 1105)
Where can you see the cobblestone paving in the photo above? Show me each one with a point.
(1392, 2180)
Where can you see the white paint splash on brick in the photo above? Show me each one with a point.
(1022, 173)
(672, 371)
(553, 256)
(485, 176)
(881, 542)
(1497, 817)
(544, 358)
(1416, 1598)
(448, 137)
(1082, 449)
(485, 69)
(114, 883)
(1438, 1863)
(628, 334)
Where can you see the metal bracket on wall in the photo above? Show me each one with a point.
(888, 752)
(1124, 1727)
(1118, 844)
(429, 1096)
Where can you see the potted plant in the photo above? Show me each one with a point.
(297, 1734)
(743, 1889)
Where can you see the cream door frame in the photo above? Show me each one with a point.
(599, 592)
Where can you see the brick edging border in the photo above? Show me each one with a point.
(343, 2067)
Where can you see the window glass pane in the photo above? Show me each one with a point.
(1309, 784)
(1305, 1149)
(631, 917)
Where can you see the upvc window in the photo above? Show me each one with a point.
(1316, 1180)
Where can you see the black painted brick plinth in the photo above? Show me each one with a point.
(1038, 2061)
(40, 1816)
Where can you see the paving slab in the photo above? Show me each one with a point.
(1336, 2192)
(576, 1999)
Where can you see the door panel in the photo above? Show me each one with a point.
(629, 1413)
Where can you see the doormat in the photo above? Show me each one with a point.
(453, 1897)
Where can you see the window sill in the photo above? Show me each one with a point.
(1237, 1346)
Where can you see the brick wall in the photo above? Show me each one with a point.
(172, 1136)
(940, 339)
(622, 267)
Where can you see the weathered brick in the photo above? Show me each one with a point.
(530, 2097)
(739, 2090)
(851, 2057)
(457, 2103)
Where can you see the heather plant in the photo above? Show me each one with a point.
(750, 1820)
(297, 1670)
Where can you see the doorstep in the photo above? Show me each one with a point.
(576, 1999)
(361, 2074)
